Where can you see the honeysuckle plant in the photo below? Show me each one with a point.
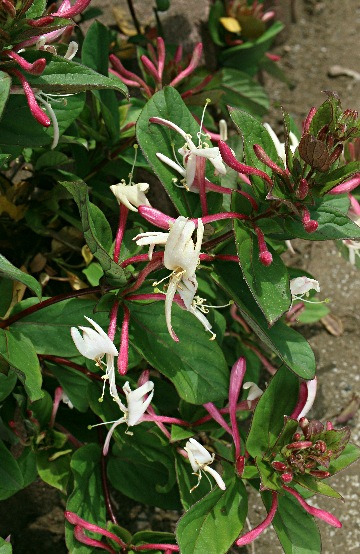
(111, 277)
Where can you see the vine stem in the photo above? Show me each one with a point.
(49, 302)
(104, 481)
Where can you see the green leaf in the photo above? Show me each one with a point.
(20, 354)
(288, 344)
(195, 365)
(316, 486)
(154, 138)
(5, 82)
(179, 433)
(27, 465)
(348, 456)
(130, 467)
(330, 179)
(268, 285)
(86, 499)
(241, 91)
(279, 399)
(49, 328)
(5, 547)
(295, 528)
(18, 126)
(36, 9)
(79, 190)
(62, 76)
(9, 271)
(7, 383)
(94, 52)
(11, 479)
(55, 472)
(213, 524)
(250, 53)
(75, 385)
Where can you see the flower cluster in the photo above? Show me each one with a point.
(20, 32)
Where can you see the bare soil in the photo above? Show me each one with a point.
(318, 35)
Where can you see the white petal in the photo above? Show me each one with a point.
(201, 455)
(311, 389)
(190, 165)
(192, 460)
(216, 476)
(170, 293)
(132, 196)
(254, 390)
(109, 435)
(187, 289)
(302, 285)
(171, 163)
(202, 318)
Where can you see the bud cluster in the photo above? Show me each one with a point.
(311, 451)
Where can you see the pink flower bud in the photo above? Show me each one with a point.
(286, 477)
(279, 466)
(299, 445)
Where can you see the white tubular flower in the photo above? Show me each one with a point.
(181, 256)
(254, 391)
(137, 404)
(94, 344)
(132, 196)
(280, 146)
(200, 459)
(311, 394)
(301, 286)
(190, 153)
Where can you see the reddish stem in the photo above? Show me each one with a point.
(123, 358)
(50, 302)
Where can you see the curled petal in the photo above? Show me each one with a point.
(217, 477)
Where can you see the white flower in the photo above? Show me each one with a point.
(190, 152)
(137, 404)
(311, 394)
(132, 196)
(200, 459)
(301, 286)
(280, 146)
(254, 391)
(95, 344)
(181, 256)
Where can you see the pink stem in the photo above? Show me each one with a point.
(123, 358)
(216, 415)
(168, 547)
(236, 317)
(140, 258)
(151, 266)
(254, 533)
(128, 74)
(120, 232)
(200, 175)
(236, 378)
(268, 366)
(316, 512)
(166, 419)
(198, 88)
(265, 159)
